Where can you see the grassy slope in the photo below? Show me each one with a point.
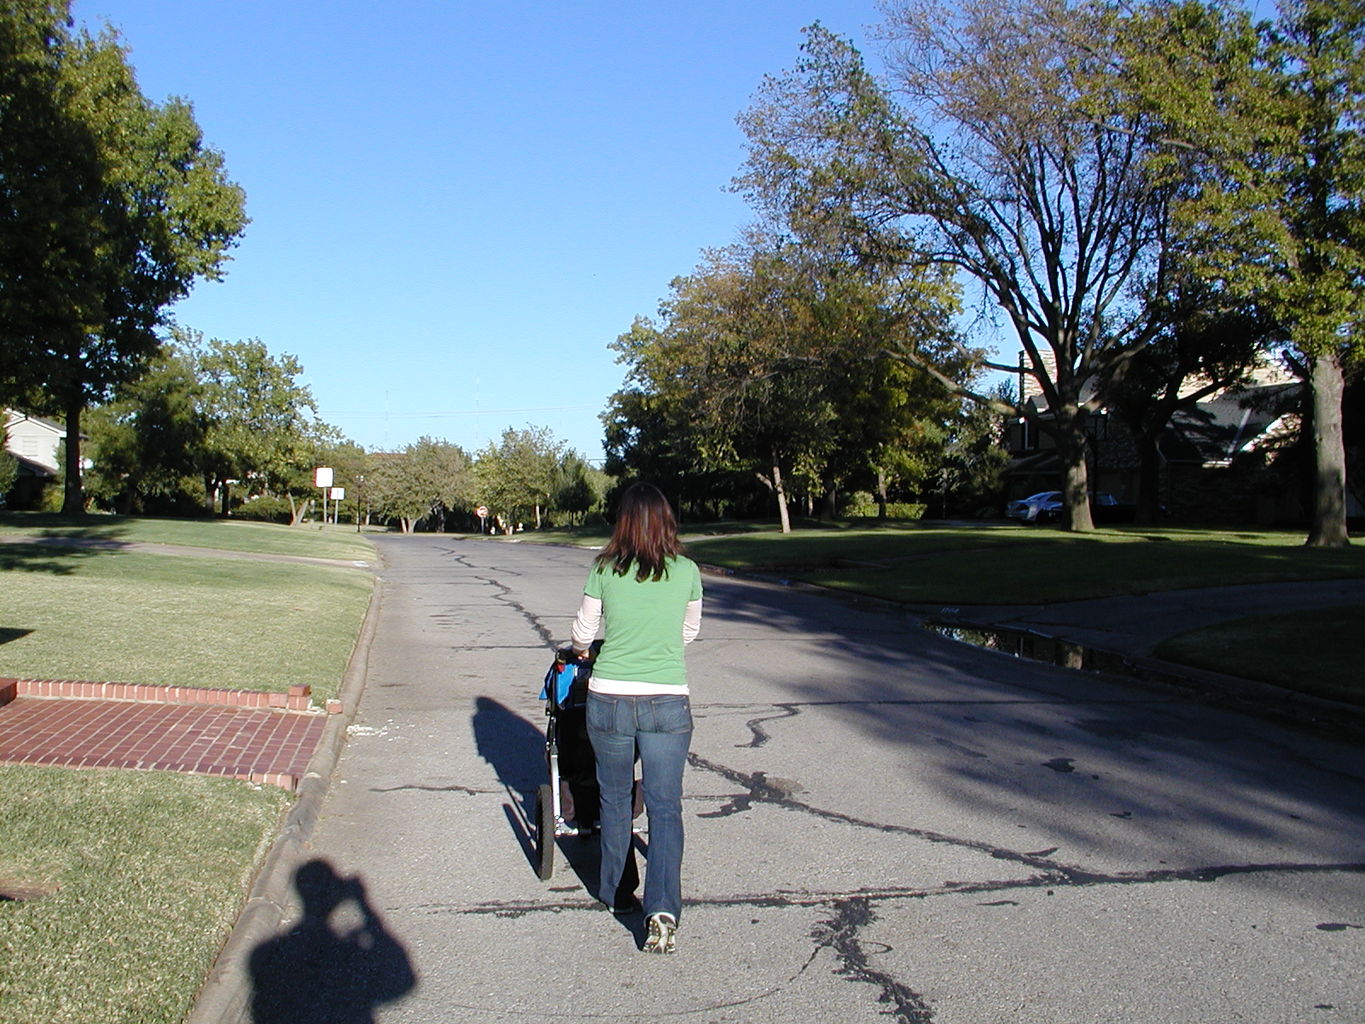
(144, 874)
(226, 534)
(125, 614)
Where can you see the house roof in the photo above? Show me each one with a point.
(13, 416)
(27, 467)
(1214, 432)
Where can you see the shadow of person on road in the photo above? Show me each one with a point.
(512, 745)
(335, 965)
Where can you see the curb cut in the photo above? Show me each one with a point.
(224, 997)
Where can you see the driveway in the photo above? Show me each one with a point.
(882, 825)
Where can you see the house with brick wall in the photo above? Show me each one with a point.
(1217, 456)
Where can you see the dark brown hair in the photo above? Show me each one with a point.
(645, 535)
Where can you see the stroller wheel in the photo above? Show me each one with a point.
(545, 832)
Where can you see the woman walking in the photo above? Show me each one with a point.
(645, 594)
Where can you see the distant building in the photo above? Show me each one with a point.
(35, 443)
(1214, 455)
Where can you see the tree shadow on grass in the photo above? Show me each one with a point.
(57, 551)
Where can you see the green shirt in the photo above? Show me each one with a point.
(642, 623)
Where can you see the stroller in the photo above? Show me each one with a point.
(570, 803)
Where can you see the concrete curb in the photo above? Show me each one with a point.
(225, 997)
(1330, 718)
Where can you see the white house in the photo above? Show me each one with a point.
(33, 439)
(35, 442)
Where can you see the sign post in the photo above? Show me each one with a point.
(322, 479)
(482, 513)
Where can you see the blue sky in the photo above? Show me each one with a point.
(456, 207)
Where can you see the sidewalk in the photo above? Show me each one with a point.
(256, 737)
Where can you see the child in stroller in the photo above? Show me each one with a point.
(569, 804)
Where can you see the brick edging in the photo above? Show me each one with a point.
(297, 699)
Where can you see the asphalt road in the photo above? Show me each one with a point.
(882, 824)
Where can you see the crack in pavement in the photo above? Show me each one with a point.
(503, 593)
(840, 934)
(755, 725)
(854, 911)
(759, 789)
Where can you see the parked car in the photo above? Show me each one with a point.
(1046, 507)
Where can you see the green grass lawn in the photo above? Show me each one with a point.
(130, 615)
(136, 877)
(341, 542)
(132, 881)
(1321, 652)
(1024, 565)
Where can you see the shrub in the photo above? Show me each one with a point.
(862, 505)
(266, 508)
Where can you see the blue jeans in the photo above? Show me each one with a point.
(661, 727)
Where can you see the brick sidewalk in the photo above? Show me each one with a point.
(211, 732)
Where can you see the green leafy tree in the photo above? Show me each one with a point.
(9, 469)
(996, 146)
(424, 482)
(773, 359)
(577, 488)
(970, 475)
(111, 206)
(146, 445)
(262, 429)
(516, 475)
(1267, 122)
(648, 436)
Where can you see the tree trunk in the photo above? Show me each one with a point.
(881, 495)
(1072, 448)
(1148, 509)
(780, 489)
(1328, 529)
(73, 494)
(829, 502)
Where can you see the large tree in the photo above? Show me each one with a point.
(148, 443)
(995, 145)
(515, 475)
(775, 356)
(111, 206)
(424, 481)
(262, 429)
(1268, 121)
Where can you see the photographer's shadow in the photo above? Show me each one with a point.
(335, 965)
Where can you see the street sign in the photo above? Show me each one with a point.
(322, 476)
(481, 511)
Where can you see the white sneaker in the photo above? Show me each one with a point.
(663, 931)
